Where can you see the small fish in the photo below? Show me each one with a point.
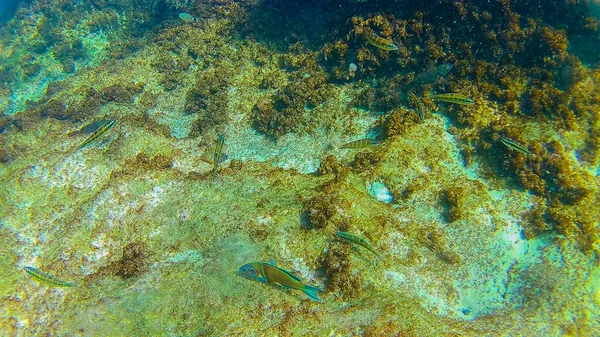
(381, 43)
(419, 108)
(359, 144)
(431, 76)
(515, 146)
(454, 98)
(46, 279)
(218, 155)
(266, 272)
(188, 17)
(91, 127)
(357, 240)
(96, 134)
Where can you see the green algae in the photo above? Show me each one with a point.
(157, 245)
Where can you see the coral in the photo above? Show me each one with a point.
(133, 262)
(57, 110)
(453, 199)
(8, 74)
(369, 58)
(287, 111)
(399, 121)
(437, 242)
(171, 68)
(337, 268)
(29, 65)
(535, 220)
(121, 94)
(331, 165)
(142, 162)
(208, 99)
(320, 210)
(365, 161)
(53, 88)
(335, 56)
(69, 52)
(4, 156)
(91, 103)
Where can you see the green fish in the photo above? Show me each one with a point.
(419, 108)
(46, 279)
(359, 144)
(187, 17)
(91, 127)
(266, 272)
(515, 146)
(454, 98)
(96, 134)
(357, 240)
(381, 43)
(218, 155)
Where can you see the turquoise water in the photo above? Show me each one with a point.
(458, 141)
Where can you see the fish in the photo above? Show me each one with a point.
(381, 43)
(91, 127)
(357, 240)
(187, 17)
(96, 134)
(267, 272)
(453, 97)
(218, 155)
(432, 75)
(47, 279)
(359, 144)
(419, 108)
(515, 146)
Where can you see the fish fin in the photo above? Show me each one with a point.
(271, 262)
(311, 292)
(261, 279)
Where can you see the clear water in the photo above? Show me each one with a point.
(121, 213)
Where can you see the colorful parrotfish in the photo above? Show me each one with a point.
(266, 272)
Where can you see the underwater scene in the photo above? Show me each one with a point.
(299, 168)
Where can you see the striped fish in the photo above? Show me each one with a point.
(357, 240)
(515, 146)
(359, 144)
(218, 155)
(454, 98)
(419, 108)
(47, 279)
(96, 134)
(381, 43)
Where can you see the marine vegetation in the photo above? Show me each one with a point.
(148, 149)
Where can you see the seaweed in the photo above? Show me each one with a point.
(207, 100)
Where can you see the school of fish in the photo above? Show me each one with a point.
(268, 272)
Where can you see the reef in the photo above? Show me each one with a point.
(133, 262)
(208, 100)
(475, 236)
(452, 198)
(320, 210)
(289, 110)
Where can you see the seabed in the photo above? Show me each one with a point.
(478, 238)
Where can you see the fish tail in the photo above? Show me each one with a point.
(311, 292)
